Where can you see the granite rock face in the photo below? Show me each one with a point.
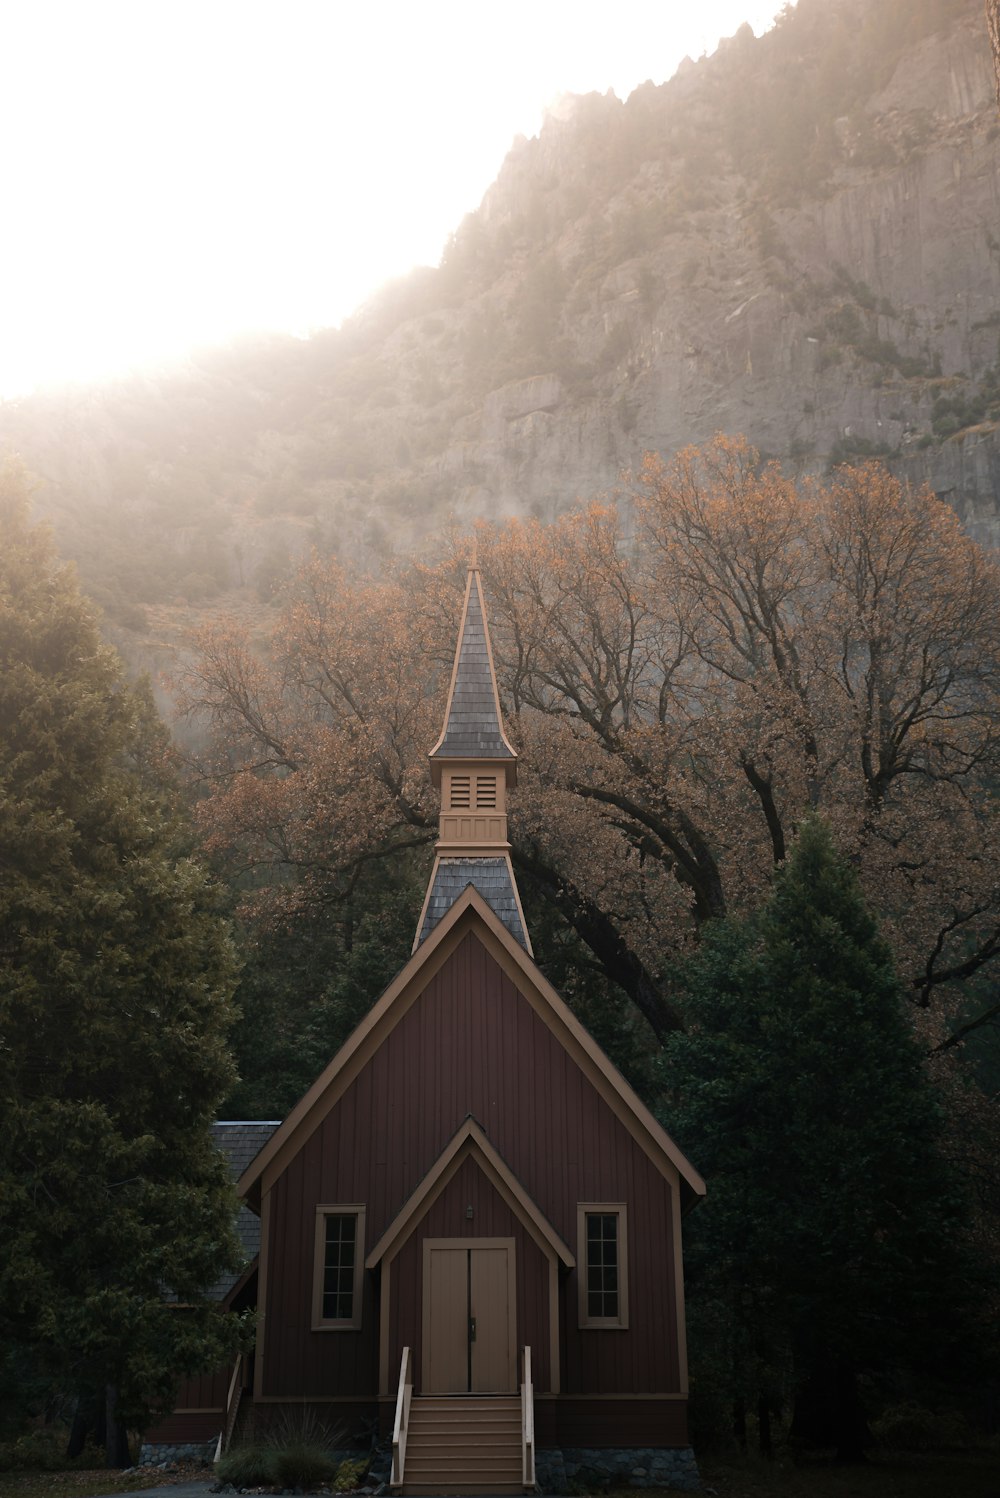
(797, 238)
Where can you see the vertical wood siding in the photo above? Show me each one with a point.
(471, 1044)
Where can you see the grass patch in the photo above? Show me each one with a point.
(89, 1484)
(938, 1474)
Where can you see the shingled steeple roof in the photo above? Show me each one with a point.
(473, 728)
(474, 765)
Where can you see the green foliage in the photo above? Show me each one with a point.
(303, 991)
(963, 408)
(300, 1464)
(246, 1466)
(912, 1427)
(830, 1239)
(349, 1475)
(113, 1012)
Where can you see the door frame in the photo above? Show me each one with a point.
(425, 1310)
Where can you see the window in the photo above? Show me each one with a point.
(461, 790)
(602, 1264)
(338, 1268)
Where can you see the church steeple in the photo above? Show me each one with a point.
(473, 765)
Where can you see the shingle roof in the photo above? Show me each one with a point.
(473, 729)
(490, 876)
(240, 1143)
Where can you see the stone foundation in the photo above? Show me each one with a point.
(159, 1453)
(594, 1468)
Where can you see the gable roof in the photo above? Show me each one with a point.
(470, 1141)
(473, 728)
(469, 913)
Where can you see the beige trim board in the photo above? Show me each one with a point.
(571, 1398)
(470, 912)
(470, 1140)
(318, 1399)
(198, 1409)
(679, 1310)
(352, 1323)
(265, 1235)
(585, 1321)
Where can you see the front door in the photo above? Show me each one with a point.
(469, 1331)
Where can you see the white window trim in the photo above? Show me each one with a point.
(338, 1324)
(599, 1323)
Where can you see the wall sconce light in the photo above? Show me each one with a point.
(468, 1210)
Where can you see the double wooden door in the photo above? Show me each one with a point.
(469, 1322)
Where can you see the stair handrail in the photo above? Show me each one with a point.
(527, 1423)
(233, 1397)
(401, 1423)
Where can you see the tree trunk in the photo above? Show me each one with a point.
(116, 1438)
(83, 1421)
(740, 1422)
(764, 1440)
(828, 1412)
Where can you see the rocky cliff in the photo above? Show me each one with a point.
(797, 238)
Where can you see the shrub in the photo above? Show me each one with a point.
(245, 1466)
(349, 1475)
(911, 1427)
(301, 1464)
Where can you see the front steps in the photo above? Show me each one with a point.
(463, 1443)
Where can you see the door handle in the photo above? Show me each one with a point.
(472, 1328)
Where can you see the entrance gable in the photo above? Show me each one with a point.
(470, 1141)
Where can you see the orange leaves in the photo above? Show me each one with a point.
(683, 683)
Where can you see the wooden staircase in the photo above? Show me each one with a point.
(464, 1443)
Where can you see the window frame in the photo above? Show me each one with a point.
(352, 1323)
(604, 1209)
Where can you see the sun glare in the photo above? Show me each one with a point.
(178, 174)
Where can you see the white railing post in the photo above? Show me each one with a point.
(232, 1406)
(527, 1423)
(401, 1423)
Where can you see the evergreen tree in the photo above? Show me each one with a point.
(829, 1242)
(114, 1006)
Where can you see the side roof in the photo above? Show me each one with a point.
(469, 913)
(240, 1143)
(490, 876)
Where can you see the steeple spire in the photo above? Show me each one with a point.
(473, 765)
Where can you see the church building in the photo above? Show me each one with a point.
(470, 1225)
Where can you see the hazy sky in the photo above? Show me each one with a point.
(177, 172)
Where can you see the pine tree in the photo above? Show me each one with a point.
(829, 1242)
(114, 1006)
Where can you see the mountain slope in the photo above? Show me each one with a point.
(797, 238)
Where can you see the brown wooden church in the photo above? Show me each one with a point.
(470, 1226)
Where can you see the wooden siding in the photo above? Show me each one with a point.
(611, 1422)
(491, 1218)
(198, 1409)
(471, 1044)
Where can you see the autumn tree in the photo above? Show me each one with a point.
(114, 1007)
(832, 1236)
(684, 688)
